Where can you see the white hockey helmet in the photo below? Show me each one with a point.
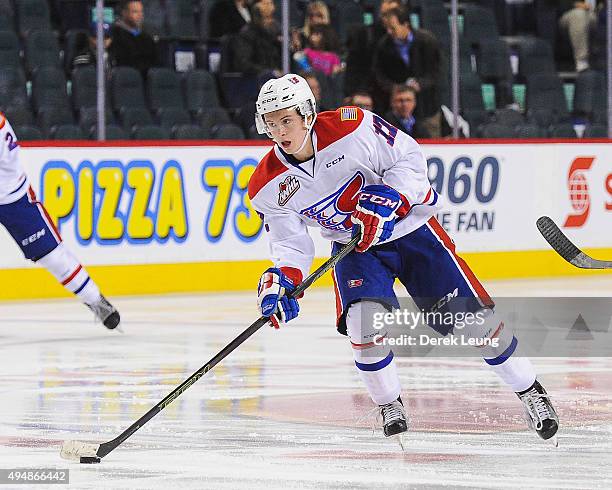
(283, 93)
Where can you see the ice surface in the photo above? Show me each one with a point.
(283, 410)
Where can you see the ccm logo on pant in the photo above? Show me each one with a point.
(33, 238)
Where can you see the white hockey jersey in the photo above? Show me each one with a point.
(13, 180)
(353, 148)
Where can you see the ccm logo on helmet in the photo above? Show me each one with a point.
(268, 100)
(383, 201)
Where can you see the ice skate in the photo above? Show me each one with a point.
(394, 418)
(106, 313)
(541, 415)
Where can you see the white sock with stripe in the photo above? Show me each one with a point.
(375, 363)
(70, 273)
(516, 372)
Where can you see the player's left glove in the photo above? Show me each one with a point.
(272, 297)
(374, 215)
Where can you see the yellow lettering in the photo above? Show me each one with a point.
(171, 213)
(219, 179)
(85, 218)
(110, 180)
(139, 225)
(248, 222)
(58, 192)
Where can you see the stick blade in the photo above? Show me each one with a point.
(74, 450)
(557, 240)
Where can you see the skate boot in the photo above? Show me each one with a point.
(106, 313)
(541, 415)
(394, 418)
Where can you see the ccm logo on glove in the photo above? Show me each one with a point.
(374, 215)
(377, 199)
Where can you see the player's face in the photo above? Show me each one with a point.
(287, 129)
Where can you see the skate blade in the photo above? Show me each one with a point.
(554, 440)
(400, 438)
(119, 329)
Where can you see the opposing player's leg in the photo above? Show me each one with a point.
(357, 277)
(441, 281)
(32, 229)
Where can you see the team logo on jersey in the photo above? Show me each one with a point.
(348, 113)
(286, 189)
(354, 283)
(334, 211)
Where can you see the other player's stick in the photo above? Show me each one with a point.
(92, 453)
(566, 249)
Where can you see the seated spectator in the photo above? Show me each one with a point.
(130, 45)
(599, 42)
(317, 13)
(361, 99)
(401, 115)
(228, 17)
(257, 48)
(409, 57)
(361, 44)
(315, 86)
(85, 51)
(576, 22)
(322, 50)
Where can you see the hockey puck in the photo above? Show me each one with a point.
(89, 459)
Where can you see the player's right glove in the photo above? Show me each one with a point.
(272, 297)
(374, 215)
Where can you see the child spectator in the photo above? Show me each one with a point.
(321, 50)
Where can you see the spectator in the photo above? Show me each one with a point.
(401, 115)
(409, 57)
(257, 48)
(599, 41)
(130, 45)
(85, 50)
(361, 99)
(228, 17)
(315, 86)
(576, 22)
(321, 50)
(317, 13)
(361, 44)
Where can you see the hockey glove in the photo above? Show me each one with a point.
(374, 215)
(272, 299)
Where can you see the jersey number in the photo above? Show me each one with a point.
(12, 144)
(385, 129)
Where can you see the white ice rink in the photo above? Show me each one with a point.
(283, 410)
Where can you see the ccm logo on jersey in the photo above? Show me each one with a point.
(333, 162)
(33, 238)
(286, 189)
(374, 199)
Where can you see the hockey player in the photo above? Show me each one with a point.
(350, 171)
(27, 221)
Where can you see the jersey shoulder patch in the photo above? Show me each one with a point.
(268, 168)
(331, 126)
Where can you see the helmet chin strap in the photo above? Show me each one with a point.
(308, 127)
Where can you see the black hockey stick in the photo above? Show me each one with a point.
(565, 248)
(92, 453)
